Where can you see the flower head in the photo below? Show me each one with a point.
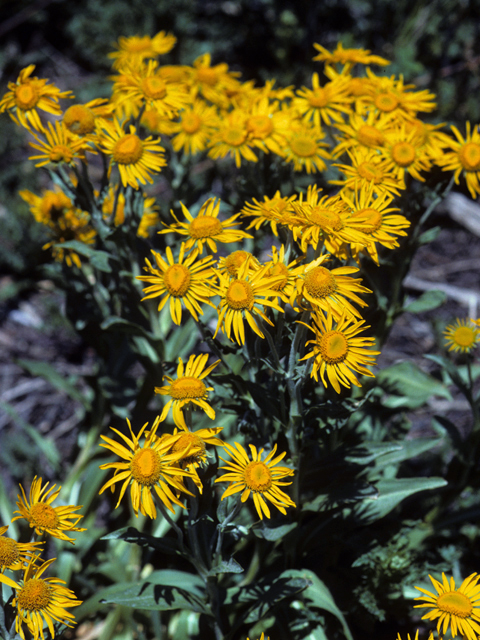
(464, 158)
(193, 444)
(135, 49)
(59, 146)
(461, 336)
(15, 555)
(195, 127)
(146, 468)
(324, 104)
(348, 57)
(188, 389)
(261, 478)
(40, 601)
(80, 119)
(458, 609)
(269, 211)
(42, 516)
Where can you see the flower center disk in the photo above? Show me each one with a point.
(187, 388)
(319, 98)
(455, 603)
(146, 467)
(79, 119)
(370, 136)
(26, 96)
(258, 476)
(191, 123)
(234, 137)
(35, 595)
(9, 552)
(370, 220)
(403, 153)
(128, 149)
(333, 347)
(205, 227)
(464, 336)
(240, 295)
(325, 219)
(303, 147)
(319, 282)
(154, 88)
(386, 102)
(177, 280)
(470, 156)
(44, 516)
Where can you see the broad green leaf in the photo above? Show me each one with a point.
(272, 533)
(406, 450)
(409, 386)
(319, 595)
(391, 492)
(427, 301)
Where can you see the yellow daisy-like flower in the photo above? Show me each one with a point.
(188, 389)
(324, 104)
(265, 124)
(269, 211)
(213, 83)
(15, 555)
(80, 119)
(60, 146)
(458, 609)
(240, 299)
(368, 170)
(338, 353)
(184, 281)
(28, 94)
(206, 228)
(367, 132)
(348, 57)
(230, 265)
(232, 139)
(136, 158)
(330, 289)
(41, 601)
(405, 154)
(196, 125)
(464, 158)
(42, 516)
(391, 95)
(135, 49)
(193, 445)
(305, 149)
(147, 468)
(146, 86)
(260, 478)
(286, 287)
(461, 336)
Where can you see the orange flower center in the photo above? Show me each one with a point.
(60, 153)
(386, 101)
(234, 261)
(357, 87)
(257, 476)
(234, 137)
(320, 282)
(279, 269)
(191, 123)
(128, 150)
(43, 516)
(79, 119)
(26, 96)
(260, 126)
(177, 280)
(205, 227)
(371, 172)
(187, 388)
(369, 220)
(303, 146)
(154, 88)
(469, 155)
(207, 75)
(455, 603)
(333, 347)
(403, 154)
(9, 552)
(464, 336)
(240, 295)
(35, 595)
(326, 219)
(196, 444)
(370, 136)
(318, 98)
(146, 467)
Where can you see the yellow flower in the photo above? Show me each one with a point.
(286, 287)
(366, 132)
(14, 555)
(135, 49)
(212, 82)
(324, 104)
(193, 446)
(136, 158)
(195, 128)
(454, 608)
(229, 265)
(330, 289)
(147, 468)
(232, 139)
(304, 148)
(60, 146)
(188, 389)
(80, 119)
(264, 125)
(41, 516)
(464, 158)
(348, 57)
(41, 601)
(368, 169)
(461, 336)
(184, 281)
(338, 353)
(28, 94)
(390, 95)
(240, 299)
(261, 478)
(405, 153)
(206, 228)
(269, 211)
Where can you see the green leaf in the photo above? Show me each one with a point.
(272, 533)
(427, 301)
(391, 492)
(98, 259)
(367, 452)
(319, 595)
(227, 566)
(57, 380)
(412, 386)
(429, 236)
(408, 449)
